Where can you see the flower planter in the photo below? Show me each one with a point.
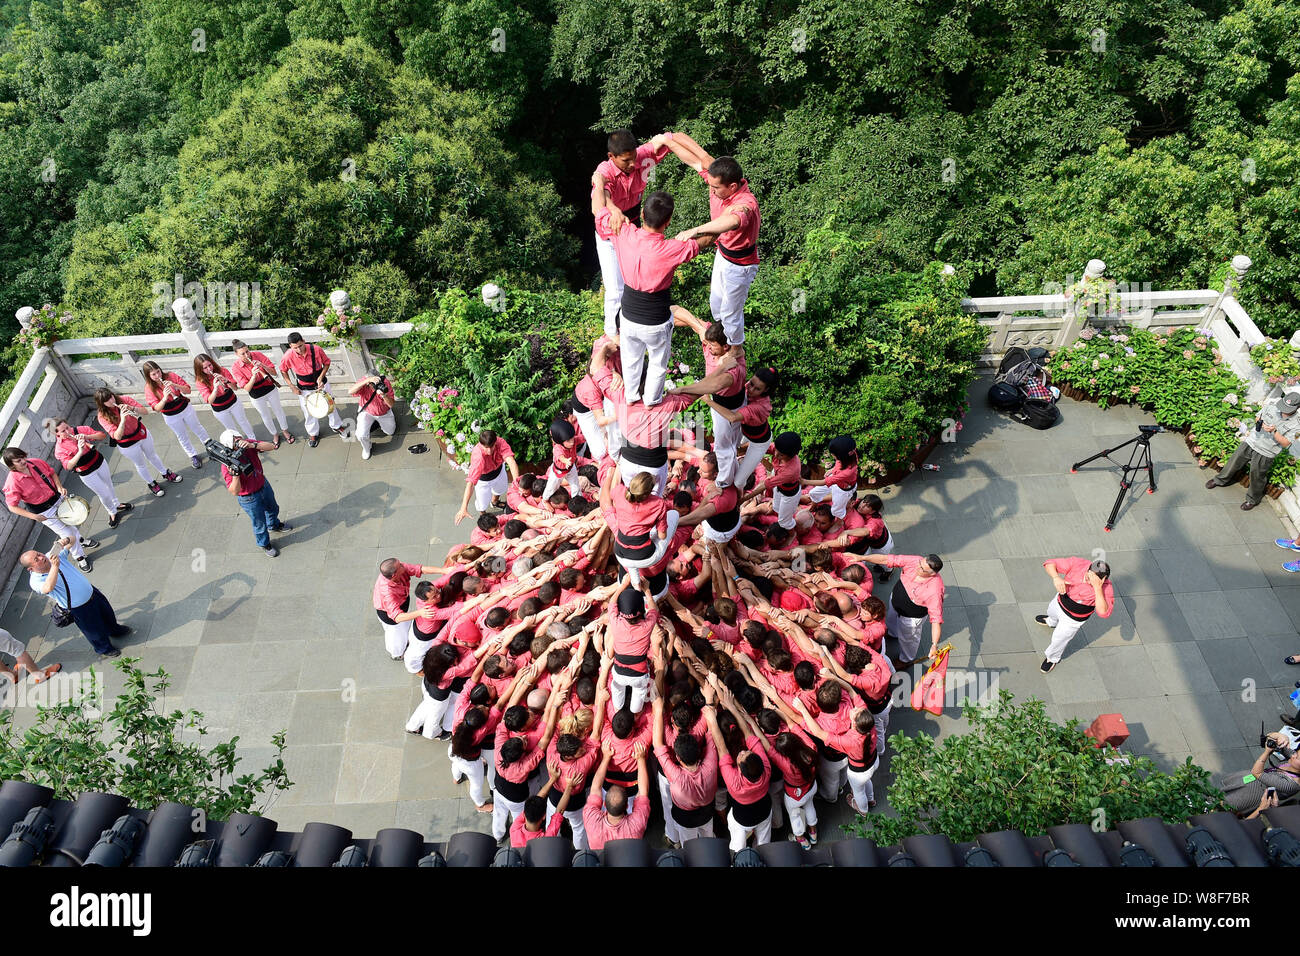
(896, 475)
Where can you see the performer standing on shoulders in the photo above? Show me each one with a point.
(617, 185)
(374, 404)
(305, 366)
(33, 490)
(486, 479)
(166, 392)
(255, 373)
(75, 451)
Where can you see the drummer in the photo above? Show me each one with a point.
(33, 490)
(217, 386)
(304, 366)
(76, 452)
(255, 374)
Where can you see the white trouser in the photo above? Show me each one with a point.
(787, 506)
(906, 629)
(100, 481)
(693, 833)
(620, 686)
(575, 822)
(1065, 629)
(613, 434)
(484, 490)
(432, 717)
(611, 277)
(140, 453)
(754, 453)
(721, 537)
(50, 518)
(503, 814)
(553, 480)
(830, 776)
(774, 792)
(236, 418)
(184, 422)
(666, 802)
(727, 293)
(489, 761)
(886, 548)
(726, 437)
(839, 497)
(882, 727)
(802, 812)
(594, 434)
(638, 345)
(271, 410)
(396, 638)
(313, 423)
(740, 834)
(387, 424)
(860, 783)
(661, 547)
(628, 470)
(475, 772)
(416, 648)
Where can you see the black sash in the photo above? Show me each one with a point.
(735, 255)
(903, 602)
(632, 214)
(177, 405)
(221, 404)
(645, 457)
(383, 615)
(725, 521)
(646, 308)
(1072, 608)
(137, 434)
(626, 665)
(437, 693)
(877, 542)
(751, 814)
(576, 402)
(514, 792)
(760, 432)
(48, 503)
(633, 547)
(731, 402)
(789, 490)
(691, 819)
(89, 463)
(489, 475)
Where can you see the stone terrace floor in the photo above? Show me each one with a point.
(1204, 611)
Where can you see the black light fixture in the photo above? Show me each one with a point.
(508, 856)
(748, 856)
(27, 839)
(585, 858)
(1059, 857)
(197, 854)
(978, 856)
(352, 856)
(274, 858)
(1205, 850)
(1135, 854)
(1282, 848)
(117, 843)
(672, 858)
(901, 858)
(433, 859)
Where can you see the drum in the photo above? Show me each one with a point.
(319, 404)
(73, 510)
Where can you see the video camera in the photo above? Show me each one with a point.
(1150, 429)
(232, 458)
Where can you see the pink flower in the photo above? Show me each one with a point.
(1134, 389)
(1188, 353)
(439, 433)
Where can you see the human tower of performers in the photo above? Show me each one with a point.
(655, 614)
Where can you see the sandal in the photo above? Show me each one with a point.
(1291, 660)
(289, 439)
(46, 674)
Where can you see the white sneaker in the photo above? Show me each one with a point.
(365, 454)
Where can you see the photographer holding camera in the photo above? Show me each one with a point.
(241, 469)
(1276, 428)
(374, 404)
(1265, 786)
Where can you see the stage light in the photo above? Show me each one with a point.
(117, 843)
(27, 839)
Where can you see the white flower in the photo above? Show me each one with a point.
(460, 436)
(1231, 398)
(684, 368)
(476, 428)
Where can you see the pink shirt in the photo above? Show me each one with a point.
(736, 374)
(786, 473)
(648, 259)
(391, 593)
(132, 434)
(1077, 588)
(600, 831)
(927, 592)
(221, 391)
(745, 206)
(482, 460)
(691, 789)
(632, 518)
(740, 788)
(632, 638)
(65, 449)
(756, 412)
(845, 478)
(21, 490)
(518, 771)
(292, 364)
(243, 371)
(626, 189)
(154, 394)
(520, 834)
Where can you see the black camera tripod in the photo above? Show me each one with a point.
(1138, 459)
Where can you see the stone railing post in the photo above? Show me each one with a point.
(1231, 286)
(191, 327)
(1076, 313)
(356, 356)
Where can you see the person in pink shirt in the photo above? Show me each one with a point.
(725, 389)
(486, 479)
(516, 759)
(753, 419)
(629, 634)
(533, 822)
(255, 374)
(917, 596)
(747, 776)
(167, 392)
(564, 458)
(785, 482)
(643, 524)
(32, 489)
(692, 771)
(392, 602)
(610, 818)
(588, 404)
(617, 185)
(1082, 587)
(648, 260)
(305, 367)
(572, 758)
(120, 417)
(217, 387)
(841, 482)
(445, 668)
(75, 449)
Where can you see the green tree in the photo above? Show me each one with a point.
(1016, 769)
(136, 750)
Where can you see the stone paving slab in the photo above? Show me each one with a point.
(1191, 655)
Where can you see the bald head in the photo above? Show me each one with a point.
(537, 699)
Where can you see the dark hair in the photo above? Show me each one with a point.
(805, 675)
(622, 724)
(387, 567)
(494, 666)
(557, 660)
(750, 537)
(620, 142)
(487, 523)
(715, 333)
(487, 438)
(873, 503)
(513, 529)
(568, 578)
(683, 499)
(11, 455)
(568, 745)
(548, 592)
(462, 737)
(684, 716)
(935, 562)
(559, 497)
(585, 688)
(516, 717)
(580, 507)
(519, 643)
(295, 338)
(778, 535)
(590, 473)
(779, 659)
(657, 210)
(855, 659)
(791, 747)
(726, 169)
(480, 695)
(854, 573)
(510, 751)
(769, 721)
(535, 809)
(437, 660)
(769, 376)
(750, 698)
(496, 617)
(829, 695)
(538, 486)
(528, 607)
(687, 749)
(751, 768)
